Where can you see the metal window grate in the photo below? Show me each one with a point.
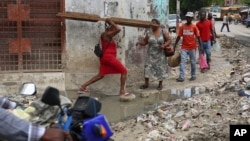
(37, 41)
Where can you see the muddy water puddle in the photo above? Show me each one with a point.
(116, 111)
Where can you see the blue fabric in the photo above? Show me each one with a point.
(243, 93)
(224, 24)
(13, 128)
(207, 49)
(192, 56)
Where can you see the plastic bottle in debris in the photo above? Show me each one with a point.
(186, 125)
(170, 126)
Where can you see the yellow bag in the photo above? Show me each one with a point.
(175, 60)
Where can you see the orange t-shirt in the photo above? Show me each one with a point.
(188, 33)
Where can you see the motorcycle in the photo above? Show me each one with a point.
(83, 121)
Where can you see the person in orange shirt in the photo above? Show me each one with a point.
(188, 32)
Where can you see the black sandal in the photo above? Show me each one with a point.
(144, 86)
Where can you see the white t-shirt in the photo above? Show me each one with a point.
(225, 19)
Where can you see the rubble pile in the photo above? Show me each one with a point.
(203, 117)
(22, 100)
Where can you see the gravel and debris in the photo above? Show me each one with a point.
(202, 117)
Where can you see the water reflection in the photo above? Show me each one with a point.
(116, 111)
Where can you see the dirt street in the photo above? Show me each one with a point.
(204, 116)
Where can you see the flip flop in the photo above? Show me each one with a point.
(143, 86)
(127, 97)
(125, 94)
(159, 88)
(83, 91)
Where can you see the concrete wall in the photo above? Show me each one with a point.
(10, 83)
(81, 36)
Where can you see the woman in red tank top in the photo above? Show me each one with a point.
(109, 64)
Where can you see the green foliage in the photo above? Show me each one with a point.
(193, 5)
(172, 6)
(246, 2)
(217, 2)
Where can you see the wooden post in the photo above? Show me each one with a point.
(96, 18)
(178, 14)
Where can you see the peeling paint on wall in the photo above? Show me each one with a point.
(110, 8)
(159, 10)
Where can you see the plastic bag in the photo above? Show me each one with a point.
(203, 62)
(21, 114)
(217, 46)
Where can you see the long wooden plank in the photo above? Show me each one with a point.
(80, 16)
(96, 18)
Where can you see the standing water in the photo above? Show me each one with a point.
(116, 111)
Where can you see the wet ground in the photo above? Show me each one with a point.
(150, 98)
(116, 111)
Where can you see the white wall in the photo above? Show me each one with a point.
(81, 36)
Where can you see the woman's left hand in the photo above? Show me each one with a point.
(162, 46)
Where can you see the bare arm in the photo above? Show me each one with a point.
(200, 44)
(116, 29)
(176, 41)
(213, 35)
(167, 39)
(144, 41)
(212, 30)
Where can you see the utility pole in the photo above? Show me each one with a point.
(178, 14)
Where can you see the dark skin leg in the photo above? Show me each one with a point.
(208, 62)
(160, 85)
(91, 81)
(146, 84)
(99, 77)
(123, 81)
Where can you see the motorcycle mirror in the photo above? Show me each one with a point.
(51, 96)
(27, 89)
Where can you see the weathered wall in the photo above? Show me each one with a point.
(81, 36)
(81, 63)
(10, 83)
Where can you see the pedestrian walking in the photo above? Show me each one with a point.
(109, 64)
(206, 30)
(210, 17)
(188, 32)
(225, 23)
(156, 61)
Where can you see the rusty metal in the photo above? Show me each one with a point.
(16, 45)
(17, 12)
(32, 37)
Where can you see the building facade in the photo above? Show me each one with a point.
(38, 46)
(231, 2)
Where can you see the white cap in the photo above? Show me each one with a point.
(190, 14)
